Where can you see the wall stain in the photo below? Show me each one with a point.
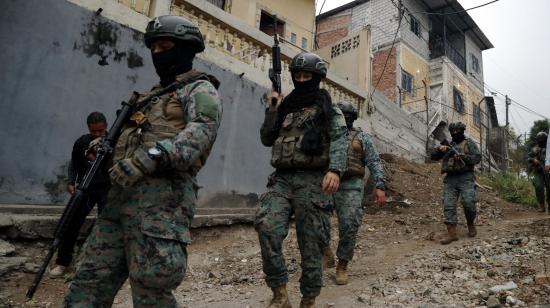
(134, 59)
(57, 189)
(119, 55)
(132, 78)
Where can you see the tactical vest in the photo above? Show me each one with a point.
(162, 119)
(356, 164)
(287, 153)
(452, 165)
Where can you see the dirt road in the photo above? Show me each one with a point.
(398, 262)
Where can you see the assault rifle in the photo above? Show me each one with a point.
(104, 151)
(275, 71)
(453, 151)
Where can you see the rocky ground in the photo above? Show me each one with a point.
(398, 261)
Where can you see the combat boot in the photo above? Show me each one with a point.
(451, 235)
(328, 258)
(470, 219)
(542, 208)
(280, 298)
(341, 272)
(307, 302)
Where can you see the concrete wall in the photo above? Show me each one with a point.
(298, 15)
(415, 65)
(60, 61)
(395, 131)
(349, 58)
(473, 50)
(416, 43)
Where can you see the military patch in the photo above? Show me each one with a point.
(206, 105)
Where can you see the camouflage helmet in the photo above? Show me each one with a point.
(347, 108)
(541, 136)
(457, 126)
(175, 27)
(309, 62)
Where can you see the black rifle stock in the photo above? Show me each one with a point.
(275, 71)
(452, 150)
(104, 150)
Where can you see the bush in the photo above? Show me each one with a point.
(511, 188)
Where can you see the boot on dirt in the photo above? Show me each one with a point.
(280, 298)
(470, 219)
(542, 208)
(451, 235)
(307, 302)
(328, 258)
(342, 272)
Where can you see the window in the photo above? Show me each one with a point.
(266, 25)
(415, 26)
(219, 3)
(407, 82)
(459, 103)
(475, 63)
(304, 43)
(477, 115)
(293, 38)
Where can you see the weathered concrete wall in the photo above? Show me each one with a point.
(59, 62)
(395, 131)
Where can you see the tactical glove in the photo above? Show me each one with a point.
(128, 171)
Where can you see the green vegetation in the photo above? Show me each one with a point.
(511, 188)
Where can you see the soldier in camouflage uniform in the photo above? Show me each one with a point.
(536, 159)
(348, 199)
(144, 231)
(307, 135)
(459, 180)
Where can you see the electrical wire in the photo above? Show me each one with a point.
(456, 12)
(388, 57)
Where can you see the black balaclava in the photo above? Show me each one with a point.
(458, 137)
(173, 62)
(307, 87)
(350, 118)
(541, 142)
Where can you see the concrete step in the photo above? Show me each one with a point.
(25, 226)
(39, 221)
(37, 209)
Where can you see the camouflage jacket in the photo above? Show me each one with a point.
(203, 109)
(372, 160)
(337, 133)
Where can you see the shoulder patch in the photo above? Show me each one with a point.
(206, 105)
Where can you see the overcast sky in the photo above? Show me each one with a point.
(517, 66)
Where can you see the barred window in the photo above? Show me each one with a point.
(459, 102)
(415, 26)
(477, 115)
(407, 82)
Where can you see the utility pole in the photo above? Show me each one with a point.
(506, 162)
(427, 116)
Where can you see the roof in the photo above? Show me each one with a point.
(461, 19)
(339, 9)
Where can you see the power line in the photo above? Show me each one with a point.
(456, 12)
(388, 57)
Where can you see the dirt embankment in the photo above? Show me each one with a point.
(398, 260)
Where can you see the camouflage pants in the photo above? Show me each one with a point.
(462, 185)
(140, 236)
(297, 193)
(350, 215)
(538, 183)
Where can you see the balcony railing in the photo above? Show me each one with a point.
(439, 49)
(233, 37)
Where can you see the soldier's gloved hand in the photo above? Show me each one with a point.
(128, 171)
